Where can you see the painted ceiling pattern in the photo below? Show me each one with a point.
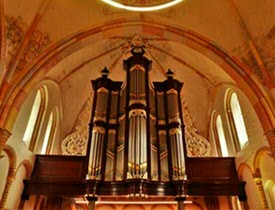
(266, 46)
(166, 50)
(16, 32)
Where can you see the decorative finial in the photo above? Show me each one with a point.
(170, 74)
(105, 72)
(137, 50)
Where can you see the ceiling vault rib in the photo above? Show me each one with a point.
(90, 60)
(183, 63)
(253, 47)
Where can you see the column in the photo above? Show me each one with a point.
(4, 135)
(259, 184)
(270, 135)
(91, 204)
(10, 178)
(180, 201)
(258, 181)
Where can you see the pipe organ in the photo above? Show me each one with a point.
(136, 147)
(136, 130)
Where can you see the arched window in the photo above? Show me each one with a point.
(221, 136)
(269, 189)
(36, 115)
(219, 143)
(238, 121)
(50, 132)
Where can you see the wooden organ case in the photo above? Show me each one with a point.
(136, 147)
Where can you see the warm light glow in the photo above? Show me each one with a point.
(142, 9)
(32, 120)
(238, 120)
(47, 134)
(221, 135)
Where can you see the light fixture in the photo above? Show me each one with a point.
(142, 8)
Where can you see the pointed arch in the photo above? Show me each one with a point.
(11, 174)
(235, 120)
(37, 113)
(28, 166)
(12, 160)
(218, 134)
(241, 168)
(216, 143)
(239, 72)
(257, 158)
(50, 131)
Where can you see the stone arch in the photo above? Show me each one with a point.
(257, 175)
(11, 174)
(254, 189)
(213, 96)
(242, 74)
(28, 166)
(257, 158)
(12, 159)
(213, 129)
(241, 168)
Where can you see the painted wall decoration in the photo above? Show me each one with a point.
(76, 142)
(266, 46)
(36, 44)
(16, 33)
(16, 29)
(244, 53)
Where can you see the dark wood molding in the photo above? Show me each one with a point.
(64, 175)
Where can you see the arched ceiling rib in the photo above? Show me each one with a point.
(197, 71)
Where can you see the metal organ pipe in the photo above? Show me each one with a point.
(137, 117)
(148, 140)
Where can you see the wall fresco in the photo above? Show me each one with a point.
(265, 45)
(244, 53)
(16, 29)
(16, 33)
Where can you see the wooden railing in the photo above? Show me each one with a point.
(59, 168)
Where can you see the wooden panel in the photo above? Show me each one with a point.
(210, 169)
(52, 168)
(65, 175)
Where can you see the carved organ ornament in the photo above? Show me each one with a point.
(136, 145)
(136, 132)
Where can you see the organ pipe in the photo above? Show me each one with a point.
(136, 128)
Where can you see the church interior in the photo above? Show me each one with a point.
(137, 104)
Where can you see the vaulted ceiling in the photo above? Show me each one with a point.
(206, 43)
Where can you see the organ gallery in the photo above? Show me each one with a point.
(136, 148)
